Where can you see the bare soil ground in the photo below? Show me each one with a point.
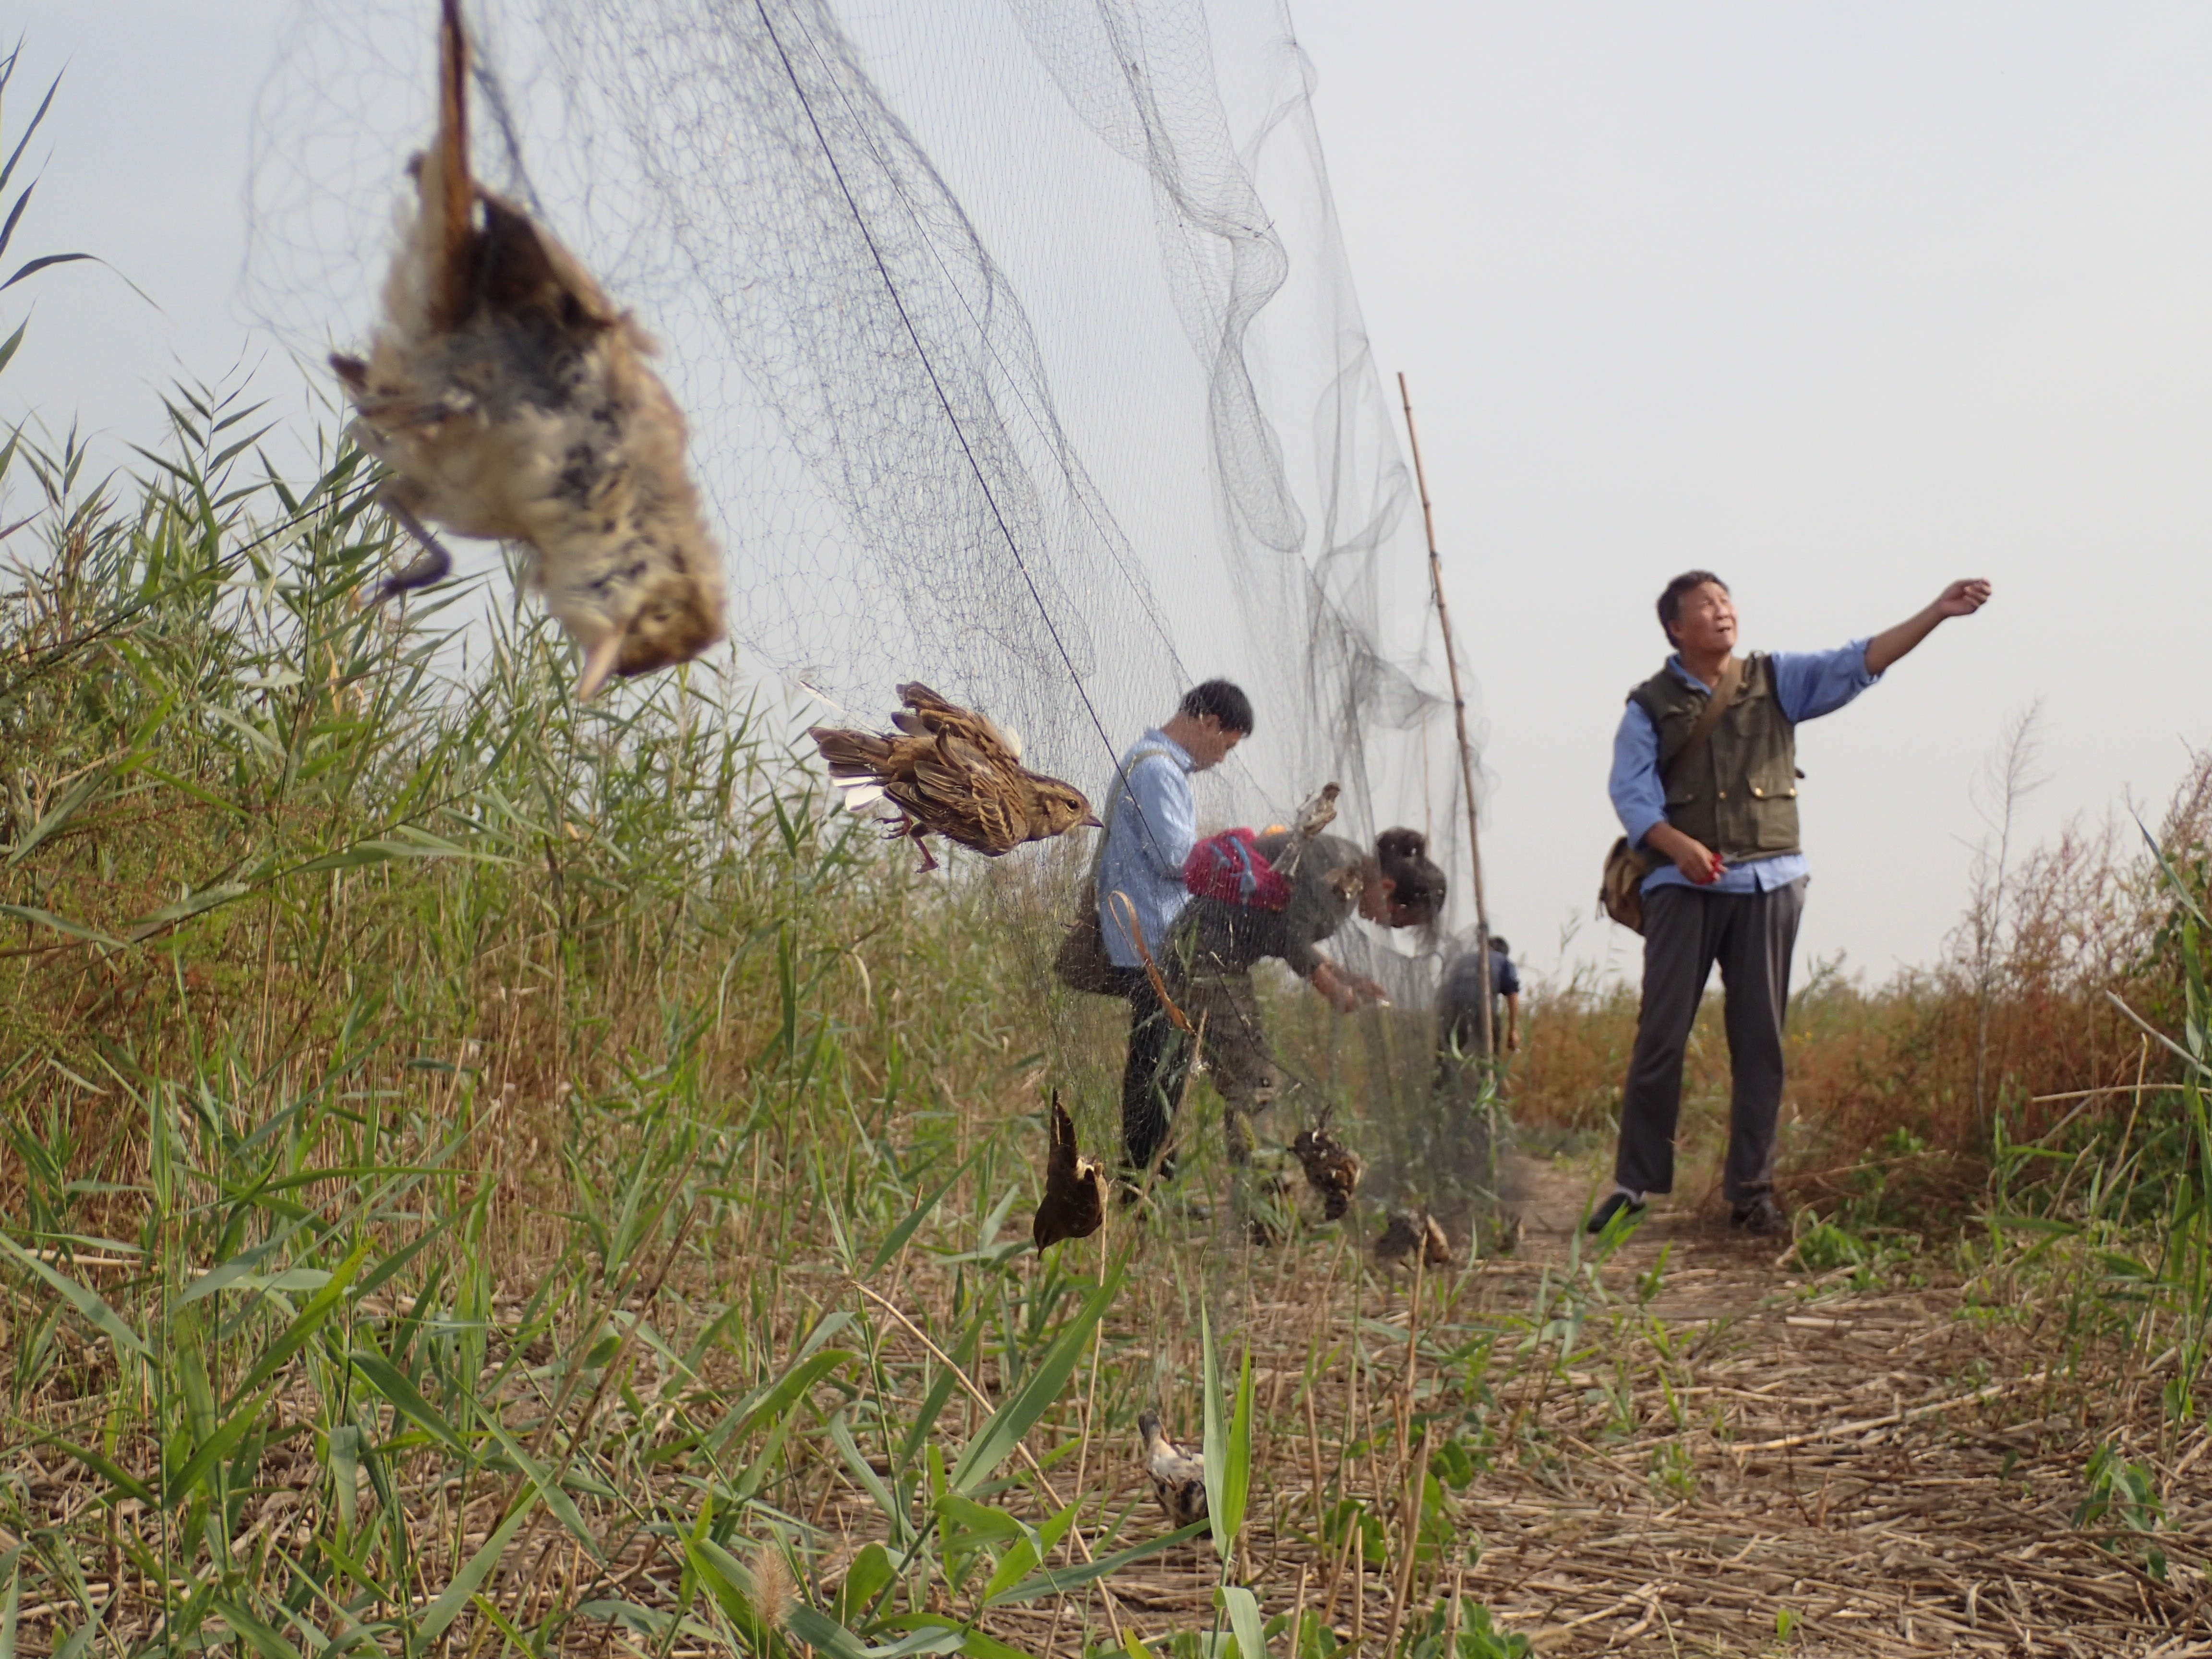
(1824, 1470)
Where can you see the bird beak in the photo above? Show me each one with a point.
(599, 667)
(1090, 821)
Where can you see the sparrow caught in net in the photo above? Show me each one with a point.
(951, 773)
(1074, 1202)
(1332, 1168)
(1178, 1479)
(1407, 1234)
(511, 400)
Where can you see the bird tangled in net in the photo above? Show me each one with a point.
(511, 401)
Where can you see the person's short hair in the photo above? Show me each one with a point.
(1225, 701)
(1498, 944)
(1670, 597)
(1416, 883)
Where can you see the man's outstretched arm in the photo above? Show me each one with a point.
(1960, 598)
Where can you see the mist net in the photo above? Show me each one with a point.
(1021, 357)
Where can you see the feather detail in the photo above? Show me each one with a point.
(511, 399)
(951, 772)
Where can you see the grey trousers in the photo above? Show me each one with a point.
(1686, 931)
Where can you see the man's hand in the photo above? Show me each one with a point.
(1690, 855)
(1962, 598)
(1513, 1039)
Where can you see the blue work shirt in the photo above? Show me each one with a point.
(1149, 833)
(1806, 684)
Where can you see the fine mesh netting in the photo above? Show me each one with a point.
(1021, 357)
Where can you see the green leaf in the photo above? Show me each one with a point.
(1244, 1620)
(258, 1636)
(841, 1435)
(866, 1580)
(563, 1506)
(447, 1607)
(793, 1387)
(208, 898)
(1216, 1448)
(1027, 1554)
(896, 1240)
(86, 1300)
(39, 918)
(975, 1523)
(995, 1441)
(1062, 1580)
(61, 812)
(125, 1483)
(389, 1381)
(303, 1328)
(1237, 1469)
(13, 1607)
(212, 1450)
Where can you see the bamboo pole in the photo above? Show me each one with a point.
(1458, 714)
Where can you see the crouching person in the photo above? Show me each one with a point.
(1216, 943)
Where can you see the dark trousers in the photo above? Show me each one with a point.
(1228, 1019)
(1153, 1074)
(1685, 931)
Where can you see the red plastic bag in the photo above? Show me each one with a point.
(1231, 867)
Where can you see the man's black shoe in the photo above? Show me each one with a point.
(1760, 1216)
(1615, 1202)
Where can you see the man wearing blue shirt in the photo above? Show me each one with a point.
(1722, 817)
(1150, 830)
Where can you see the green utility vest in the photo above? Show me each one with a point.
(1738, 794)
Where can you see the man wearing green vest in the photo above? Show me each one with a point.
(1719, 814)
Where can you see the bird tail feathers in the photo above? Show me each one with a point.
(851, 754)
(448, 191)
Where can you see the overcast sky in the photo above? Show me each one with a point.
(1840, 301)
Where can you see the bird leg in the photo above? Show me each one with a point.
(914, 834)
(431, 567)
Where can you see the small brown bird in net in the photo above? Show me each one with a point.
(511, 401)
(1178, 1478)
(1074, 1202)
(949, 773)
(1332, 1168)
(1408, 1233)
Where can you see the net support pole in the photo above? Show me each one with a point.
(1458, 714)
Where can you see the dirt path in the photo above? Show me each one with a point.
(1744, 1458)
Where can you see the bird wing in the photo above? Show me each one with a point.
(968, 799)
(935, 714)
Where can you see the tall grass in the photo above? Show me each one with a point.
(487, 1171)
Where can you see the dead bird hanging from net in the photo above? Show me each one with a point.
(950, 772)
(1178, 1479)
(1407, 1234)
(511, 401)
(1332, 1168)
(1074, 1202)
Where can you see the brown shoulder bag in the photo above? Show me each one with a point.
(1620, 889)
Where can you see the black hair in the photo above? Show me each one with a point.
(1416, 883)
(1670, 597)
(1224, 701)
(1498, 944)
